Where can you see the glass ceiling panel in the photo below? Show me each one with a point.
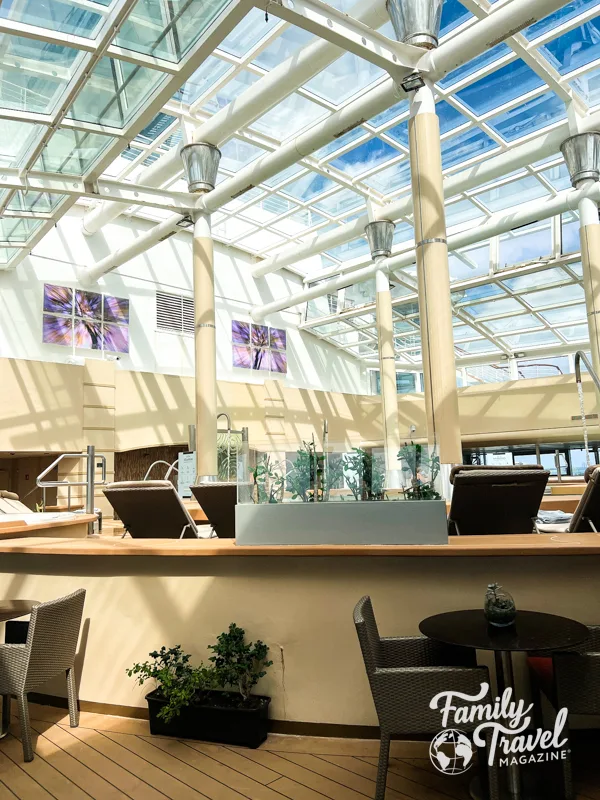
(340, 202)
(453, 15)
(529, 117)
(555, 316)
(34, 74)
(16, 140)
(7, 254)
(588, 87)
(167, 30)
(72, 152)
(548, 277)
(34, 201)
(494, 308)
(531, 339)
(464, 146)
(344, 78)
(237, 154)
(203, 78)
(18, 229)
(511, 194)
(555, 19)
(288, 117)
(154, 129)
(230, 90)
(474, 65)
(115, 92)
(390, 114)
(391, 179)
(506, 83)
(574, 49)
(56, 15)
(341, 141)
(365, 157)
(558, 176)
(248, 32)
(549, 297)
(462, 211)
(575, 333)
(516, 323)
(287, 44)
(308, 186)
(282, 176)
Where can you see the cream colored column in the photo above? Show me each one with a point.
(205, 348)
(437, 342)
(387, 377)
(589, 234)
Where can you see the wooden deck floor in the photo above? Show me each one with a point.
(112, 758)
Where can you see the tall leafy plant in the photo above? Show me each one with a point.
(268, 483)
(365, 474)
(422, 470)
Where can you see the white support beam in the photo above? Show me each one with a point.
(266, 93)
(11, 178)
(498, 223)
(521, 155)
(326, 21)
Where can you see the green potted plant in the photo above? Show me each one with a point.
(422, 470)
(211, 703)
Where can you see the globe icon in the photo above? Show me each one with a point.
(451, 752)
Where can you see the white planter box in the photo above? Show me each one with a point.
(351, 522)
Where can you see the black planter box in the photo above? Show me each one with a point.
(211, 722)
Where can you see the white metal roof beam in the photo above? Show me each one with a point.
(498, 223)
(266, 93)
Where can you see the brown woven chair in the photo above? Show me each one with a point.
(405, 673)
(568, 679)
(586, 517)
(495, 501)
(151, 510)
(49, 651)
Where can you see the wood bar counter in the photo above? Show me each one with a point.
(299, 600)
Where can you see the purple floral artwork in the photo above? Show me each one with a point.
(260, 358)
(116, 309)
(278, 339)
(242, 357)
(260, 336)
(88, 304)
(58, 299)
(278, 361)
(240, 332)
(88, 334)
(116, 338)
(57, 330)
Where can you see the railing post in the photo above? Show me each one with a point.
(90, 474)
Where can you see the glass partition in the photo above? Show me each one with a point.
(338, 474)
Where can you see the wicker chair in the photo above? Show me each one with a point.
(405, 673)
(49, 651)
(568, 679)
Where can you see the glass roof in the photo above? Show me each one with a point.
(77, 99)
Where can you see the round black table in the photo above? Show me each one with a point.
(532, 631)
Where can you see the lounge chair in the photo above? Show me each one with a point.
(10, 504)
(152, 510)
(495, 501)
(586, 517)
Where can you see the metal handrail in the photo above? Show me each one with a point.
(172, 468)
(581, 356)
(53, 484)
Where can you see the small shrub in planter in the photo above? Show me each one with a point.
(210, 703)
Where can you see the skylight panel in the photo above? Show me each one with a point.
(282, 176)
(18, 229)
(531, 339)
(261, 240)
(164, 30)
(340, 202)
(512, 194)
(461, 211)
(230, 90)
(344, 78)
(365, 157)
(8, 253)
(390, 114)
(529, 243)
(558, 17)
(340, 142)
(494, 308)
(115, 92)
(232, 228)
(470, 263)
(575, 333)
(558, 296)
(391, 179)
(588, 87)
(71, 152)
(476, 346)
(238, 153)
(540, 112)
(58, 15)
(519, 322)
(403, 233)
(155, 128)
(571, 314)
(268, 208)
(248, 32)
(34, 201)
(40, 86)
(308, 187)
(289, 42)
(537, 280)
(16, 140)
(475, 64)
(574, 49)
(477, 293)
(349, 250)
(289, 117)
(462, 332)
(465, 146)
(203, 78)
(297, 223)
(453, 16)
(505, 84)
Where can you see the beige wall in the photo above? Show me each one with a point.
(55, 407)
(301, 607)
